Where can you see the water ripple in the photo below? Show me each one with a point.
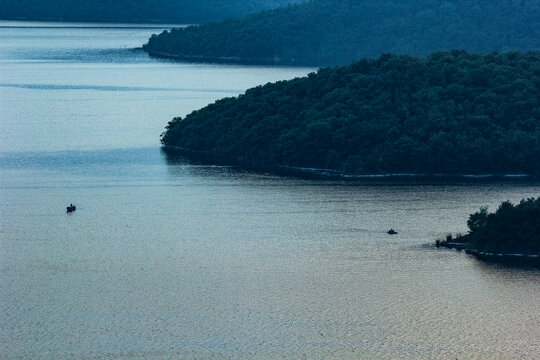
(114, 88)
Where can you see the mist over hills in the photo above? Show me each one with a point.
(330, 32)
(172, 11)
(450, 113)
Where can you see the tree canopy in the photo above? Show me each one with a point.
(510, 229)
(175, 11)
(332, 32)
(449, 113)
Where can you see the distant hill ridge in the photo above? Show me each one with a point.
(329, 32)
(172, 11)
(450, 113)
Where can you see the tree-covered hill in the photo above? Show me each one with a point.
(174, 11)
(449, 113)
(330, 32)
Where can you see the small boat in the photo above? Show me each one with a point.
(71, 208)
(392, 232)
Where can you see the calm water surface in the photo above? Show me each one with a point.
(169, 259)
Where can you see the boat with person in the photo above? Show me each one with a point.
(71, 208)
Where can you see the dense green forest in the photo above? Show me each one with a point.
(174, 11)
(449, 113)
(331, 32)
(512, 229)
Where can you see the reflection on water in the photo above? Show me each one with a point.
(165, 258)
(168, 258)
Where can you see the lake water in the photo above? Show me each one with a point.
(170, 259)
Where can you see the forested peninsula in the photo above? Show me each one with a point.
(338, 32)
(512, 233)
(170, 11)
(449, 113)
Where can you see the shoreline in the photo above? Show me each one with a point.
(230, 59)
(519, 259)
(327, 174)
(70, 21)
